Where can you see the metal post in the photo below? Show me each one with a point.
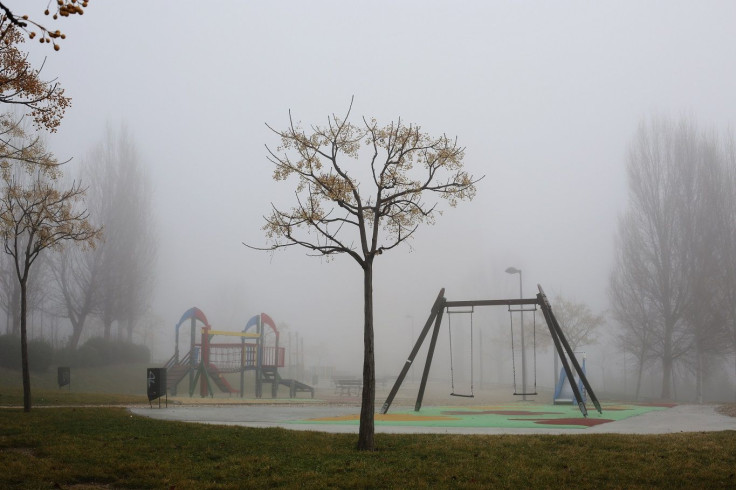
(480, 356)
(192, 355)
(428, 364)
(411, 319)
(259, 358)
(438, 304)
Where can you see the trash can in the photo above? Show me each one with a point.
(156, 384)
(64, 376)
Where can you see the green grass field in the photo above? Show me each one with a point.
(110, 448)
(65, 443)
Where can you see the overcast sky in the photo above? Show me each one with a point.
(544, 95)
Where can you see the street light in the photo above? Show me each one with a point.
(514, 270)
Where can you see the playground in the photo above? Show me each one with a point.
(256, 352)
(217, 366)
(512, 418)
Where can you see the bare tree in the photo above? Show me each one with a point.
(653, 241)
(702, 217)
(727, 247)
(9, 295)
(75, 273)
(37, 215)
(577, 320)
(634, 313)
(120, 198)
(360, 191)
(667, 287)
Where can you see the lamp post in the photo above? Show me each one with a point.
(514, 270)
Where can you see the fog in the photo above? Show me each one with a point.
(545, 96)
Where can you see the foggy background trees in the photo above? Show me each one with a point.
(103, 291)
(107, 291)
(674, 253)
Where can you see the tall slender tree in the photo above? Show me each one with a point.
(725, 219)
(634, 313)
(37, 215)
(360, 191)
(75, 272)
(670, 260)
(653, 239)
(121, 199)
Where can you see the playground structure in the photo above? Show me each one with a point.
(208, 362)
(564, 394)
(566, 354)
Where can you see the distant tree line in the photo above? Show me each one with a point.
(95, 352)
(104, 291)
(673, 286)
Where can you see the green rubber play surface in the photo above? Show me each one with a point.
(512, 415)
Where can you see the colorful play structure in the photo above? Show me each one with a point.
(580, 389)
(256, 350)
(564, 394)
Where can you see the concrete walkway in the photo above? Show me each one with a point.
(681, 418)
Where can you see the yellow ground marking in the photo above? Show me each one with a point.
(234, 334)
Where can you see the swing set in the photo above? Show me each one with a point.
(442, 305)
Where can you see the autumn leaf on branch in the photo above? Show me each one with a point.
(20, 84)
(28, 24)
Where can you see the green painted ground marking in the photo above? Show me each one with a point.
(515, 415)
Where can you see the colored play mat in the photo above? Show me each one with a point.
(515, 415)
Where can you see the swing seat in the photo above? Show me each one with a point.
(526, 394)
(462, 395)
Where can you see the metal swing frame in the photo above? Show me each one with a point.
(567, 356)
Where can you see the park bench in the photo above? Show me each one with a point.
(345, 386)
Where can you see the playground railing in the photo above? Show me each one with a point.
(273, 357)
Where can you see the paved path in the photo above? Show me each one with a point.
(682, 418)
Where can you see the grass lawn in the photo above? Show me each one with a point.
(65, 443)
(107, 447)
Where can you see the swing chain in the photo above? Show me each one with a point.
(452, 371)
(534, 348)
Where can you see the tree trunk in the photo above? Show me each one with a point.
(107, 325)
(15, 307)
(667, 361)
(367, 408)
(699, 372)
(666, 378)
(638, 376)
(76, 335)
(24, 350)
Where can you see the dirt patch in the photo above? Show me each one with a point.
(727, 409)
